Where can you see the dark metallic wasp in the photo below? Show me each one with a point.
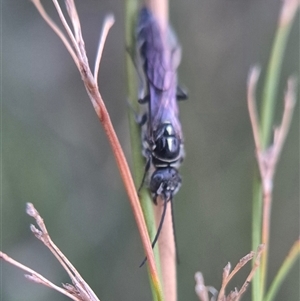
(161, 129)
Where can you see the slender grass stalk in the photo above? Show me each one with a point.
(283, 271)
(268, 108)
(256, 228)
(269, 98)
(270, 90)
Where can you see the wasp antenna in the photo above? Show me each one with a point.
(143, 262)
(174, 230)
(160, 223)
(158, 229)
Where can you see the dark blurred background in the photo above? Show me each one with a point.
(55, 153)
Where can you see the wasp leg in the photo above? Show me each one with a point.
(158, 229)
(136, 61)
(140, 119)
(144, 100)
(154, 200)
(181, 94)
(147, 167)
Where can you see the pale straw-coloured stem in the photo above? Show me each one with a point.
(56, 29)
(67, 27)
(36, 277)
(72, 12)
(252, 82)
(252, 272)
(42, 234)
(108, 23)
(227, 275)
(200, 287)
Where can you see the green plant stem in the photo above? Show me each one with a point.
(256, 229)
(131, 10)
(270, 92)
(283, 271)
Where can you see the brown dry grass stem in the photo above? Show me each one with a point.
(90, 82)
(79, 290)
(203, 291)
(227, 276)
(36, 277)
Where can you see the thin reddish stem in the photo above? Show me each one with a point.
(125, 174)
(91, 86)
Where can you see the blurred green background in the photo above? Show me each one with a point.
(56, 155)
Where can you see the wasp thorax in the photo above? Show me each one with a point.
(167, 144)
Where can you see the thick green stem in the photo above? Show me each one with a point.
(131, 11)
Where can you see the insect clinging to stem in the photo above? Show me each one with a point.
(162, 139)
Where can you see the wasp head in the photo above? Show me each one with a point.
(165, 182)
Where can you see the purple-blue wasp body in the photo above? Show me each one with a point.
(162, 138)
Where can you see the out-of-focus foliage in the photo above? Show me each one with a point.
(56, 155)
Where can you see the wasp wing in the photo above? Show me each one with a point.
(152, 51)
(160, 56)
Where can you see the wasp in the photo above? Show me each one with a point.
(162, 139)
